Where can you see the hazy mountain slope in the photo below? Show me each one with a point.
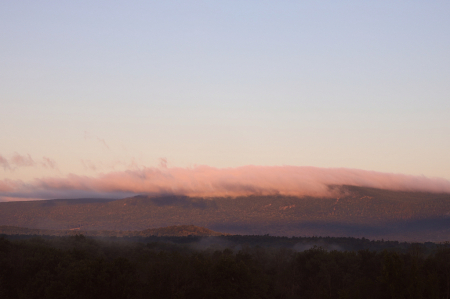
(178, 231)
(368, 212)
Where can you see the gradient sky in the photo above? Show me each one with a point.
(90, 87)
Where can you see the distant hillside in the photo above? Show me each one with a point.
(171, 231)
(358, 212)
(180, 231)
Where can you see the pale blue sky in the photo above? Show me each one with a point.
(98, 86)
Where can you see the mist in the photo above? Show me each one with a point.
(205, 181)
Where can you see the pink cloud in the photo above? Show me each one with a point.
(103, 142)
(89, 165)
(7, 186)
(163, 162)
(18, 161)
(48, 163)
(22, 161)
(205, 181)
(4, 163)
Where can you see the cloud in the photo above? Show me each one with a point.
(205, 181)
(102, 141)
(48, 163)
(163, 162)
(111, 166)
(18, 161)
(89, 165)
(4, 163)
(22, 161)
(8, 186)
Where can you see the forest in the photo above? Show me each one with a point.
(221, 267)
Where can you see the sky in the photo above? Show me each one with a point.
(91, 90)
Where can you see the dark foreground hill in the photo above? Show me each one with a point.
(358, 212)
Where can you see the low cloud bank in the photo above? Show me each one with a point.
(205, 181)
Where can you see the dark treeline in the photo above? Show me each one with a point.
(82, 267)
(237, 241)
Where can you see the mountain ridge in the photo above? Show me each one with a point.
(357, 212)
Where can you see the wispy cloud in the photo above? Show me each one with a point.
(48, 163)
(22, 161)
(102, 141)
(163, 162)
(89, 165)
(100, 166)
(4, 163)
(18, 161)
(205, 181)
